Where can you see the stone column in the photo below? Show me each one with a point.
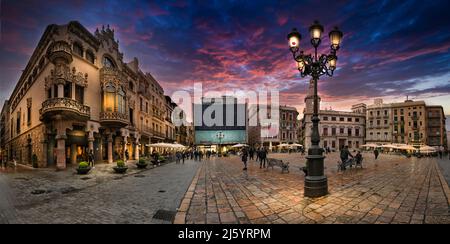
(61, 144)
(43, 156)
(61, 152)
(136, 150)
(125, 141)
(73, 91)
(110, 148)
(60, 90)
(91, 140)
(73, 154)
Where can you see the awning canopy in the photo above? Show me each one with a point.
(239, 145)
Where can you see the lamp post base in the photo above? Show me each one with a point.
(316, 183)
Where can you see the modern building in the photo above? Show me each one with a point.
(336, 128)
(220, 123)
(379, 123)
(78, 94)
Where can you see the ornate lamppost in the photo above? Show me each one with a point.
(220, 135)
(316, 183)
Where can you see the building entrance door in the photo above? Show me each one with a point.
(341, 143)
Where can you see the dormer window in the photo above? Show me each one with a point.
(77, 49)
(90, 57)
(108, 63)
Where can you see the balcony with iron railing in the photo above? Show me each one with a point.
(65, 107)
(114, 118)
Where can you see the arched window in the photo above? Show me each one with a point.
(109, 97)
(108, 63)
(90, 56)
(77, 49)
(121, 101)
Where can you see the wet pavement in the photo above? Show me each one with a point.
(392, 189)
(444, 166)
(46, 196)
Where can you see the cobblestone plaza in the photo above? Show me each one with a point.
(392, 189)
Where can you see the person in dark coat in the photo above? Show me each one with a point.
(376, 153)
(244, 158)
(262, 158)
(345, 153)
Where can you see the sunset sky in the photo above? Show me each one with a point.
(391, 49)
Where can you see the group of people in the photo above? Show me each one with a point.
(249, 154)
(346, 157)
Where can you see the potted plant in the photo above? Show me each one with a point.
(161, 159)
(142, 164)
(83, 168)
(121, 168)
(34, 160)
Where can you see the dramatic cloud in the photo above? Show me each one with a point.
(390, 49)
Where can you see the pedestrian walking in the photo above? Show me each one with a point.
(262, 158)
(91, 158)
(376, 153)
(244, 158)
(127, 155)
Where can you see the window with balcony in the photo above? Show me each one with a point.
(333, 131)
(325, 131)
(109, 98)
(121, 101)
(357, 132)
(349, 132)
(68, 90)
(131, 116)
(341, 131)
(79, 94)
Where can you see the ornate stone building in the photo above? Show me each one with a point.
(336, 128)
(77, 94)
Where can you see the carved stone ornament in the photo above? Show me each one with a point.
(62, 74)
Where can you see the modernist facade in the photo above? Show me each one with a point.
(77, 94)
(336, 128)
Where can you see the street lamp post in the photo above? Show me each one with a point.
(316, 183)
(220, 136)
